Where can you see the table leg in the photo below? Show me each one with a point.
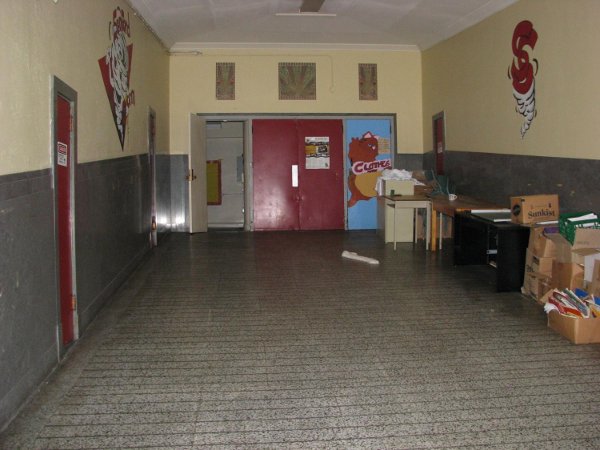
(433, 230)
(395, 226)
(441, 230)
(428, 227)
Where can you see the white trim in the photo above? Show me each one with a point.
(182, 47)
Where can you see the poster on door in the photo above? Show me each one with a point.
(316, 150)
(368, 153)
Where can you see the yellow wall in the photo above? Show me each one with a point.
(466, 76)
(399, 76)
(66, 39)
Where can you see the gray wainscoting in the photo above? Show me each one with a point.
(496, 177)
(408, 161)
(179, 193)
(112, 235)
(112, 227)
(163, 194)
(28, 302)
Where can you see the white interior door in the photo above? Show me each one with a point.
(225, 144)
(197, 175)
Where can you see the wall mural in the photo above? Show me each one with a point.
(115, 67)
(367, 81)
(225, 81)
(522, 72)
(297, 81)
(364, 154)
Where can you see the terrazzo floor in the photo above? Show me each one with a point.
(272, 340)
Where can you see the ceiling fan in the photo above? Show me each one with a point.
(311, 6)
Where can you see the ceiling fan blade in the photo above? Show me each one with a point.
(311, 5)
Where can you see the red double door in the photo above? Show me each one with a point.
(298, 170)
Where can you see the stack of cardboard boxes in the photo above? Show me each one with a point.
(531, 210)
(539, 261)
(560, 256)
(574, 263)
(577, 265)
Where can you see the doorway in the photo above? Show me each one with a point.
(196, 177)
(64, 155)
(439, 141)
(225, 180)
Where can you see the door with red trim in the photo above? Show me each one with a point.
(298, 174)
(439, 142)
(64, 171)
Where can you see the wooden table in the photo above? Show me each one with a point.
(415, 202)
(440, 204)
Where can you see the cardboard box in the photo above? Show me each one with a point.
(562, 248)
(576, 329)
(538, 264)
(539, 242)
(534, 208)
(565, 253)
(593, 287)
(536, 285)
(586, 238)
(423, 189)
(567, 275)
(587, 257)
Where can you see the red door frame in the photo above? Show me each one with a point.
(439, 141)
(64, 160)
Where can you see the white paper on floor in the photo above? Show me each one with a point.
(357, 257)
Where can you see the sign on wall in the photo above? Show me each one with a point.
(115, 67)
(522, 72)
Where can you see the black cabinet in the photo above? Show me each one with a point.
(501, 245)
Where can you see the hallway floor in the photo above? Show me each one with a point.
(272, 340)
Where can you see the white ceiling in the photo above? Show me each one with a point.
(187, 25)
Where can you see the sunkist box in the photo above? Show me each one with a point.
(534, 208)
